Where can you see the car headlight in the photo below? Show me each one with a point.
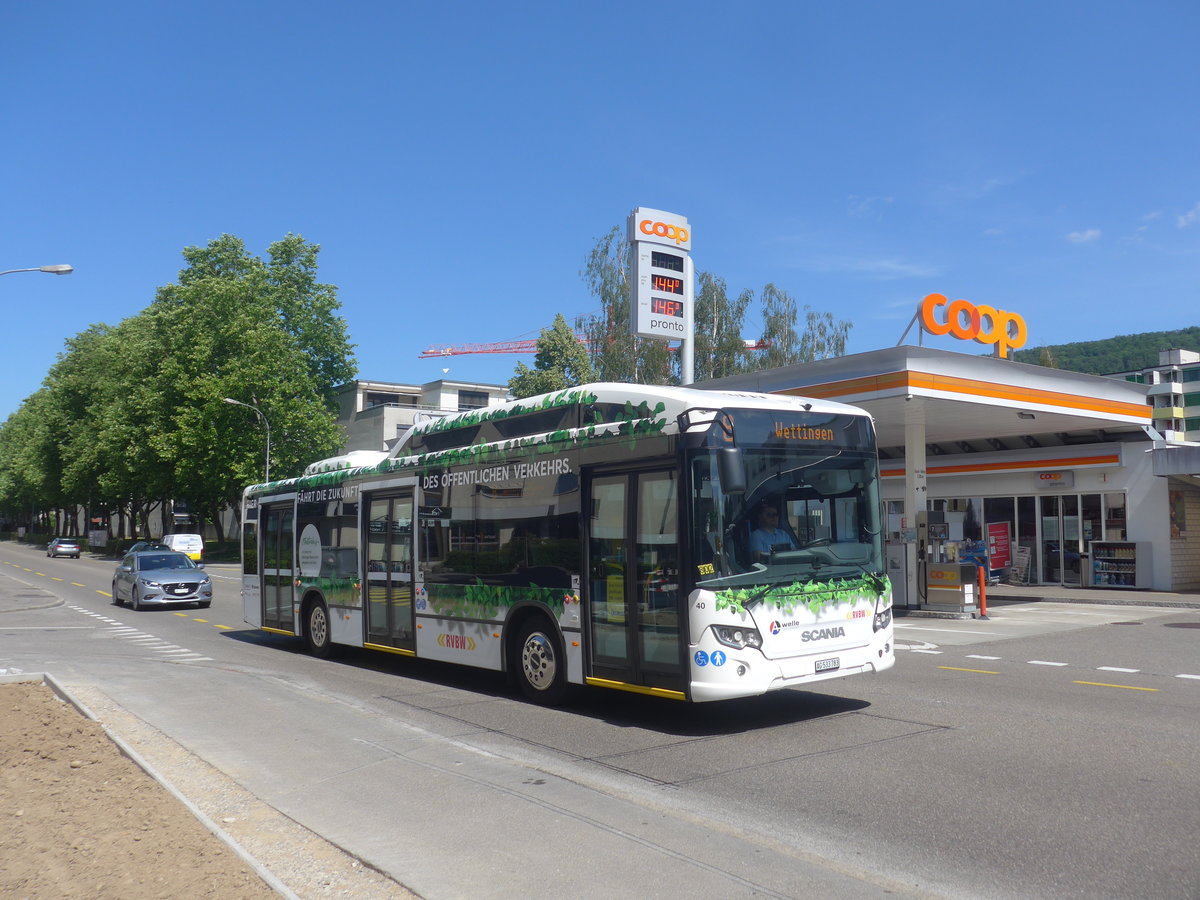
(150, 584)
(737, 636)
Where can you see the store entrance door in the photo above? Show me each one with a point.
(1061, 540)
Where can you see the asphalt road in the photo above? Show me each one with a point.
(1047, 752)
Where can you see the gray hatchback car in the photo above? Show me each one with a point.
(159, 578)
(63, 547)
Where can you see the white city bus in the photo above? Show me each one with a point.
(603, 535)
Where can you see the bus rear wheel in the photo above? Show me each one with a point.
(316, 629)
(541, 664)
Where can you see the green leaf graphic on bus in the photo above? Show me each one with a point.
(484, 601)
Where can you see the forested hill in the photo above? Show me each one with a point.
(1117, 354)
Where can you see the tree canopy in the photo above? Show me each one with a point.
(135, 413)
(719, 323)
(561, 362)
(1126, 353)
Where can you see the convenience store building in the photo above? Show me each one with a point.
(1066, 463)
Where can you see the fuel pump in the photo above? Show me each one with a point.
(943, 585)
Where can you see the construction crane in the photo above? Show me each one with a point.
(527, 346)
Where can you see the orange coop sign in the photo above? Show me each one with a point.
(970, 322)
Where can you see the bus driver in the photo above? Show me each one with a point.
(767, 534)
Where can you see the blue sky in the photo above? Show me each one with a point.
(456, 162)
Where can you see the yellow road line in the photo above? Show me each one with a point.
(977, 671)
(1124, 687)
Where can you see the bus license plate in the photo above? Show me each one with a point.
(828, 665)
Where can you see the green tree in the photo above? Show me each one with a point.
(616, 353)
(265, 334)
(720, 350)
(822, 337)
(561, 362)
(134, 414)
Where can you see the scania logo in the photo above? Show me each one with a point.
(822, 634)
(674, 233)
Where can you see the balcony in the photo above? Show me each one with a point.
(1159, 413)
(1164, 388)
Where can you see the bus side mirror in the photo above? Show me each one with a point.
(731, 469)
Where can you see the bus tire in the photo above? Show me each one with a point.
(316, 629)
(541, 665)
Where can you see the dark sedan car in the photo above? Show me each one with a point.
(158, 578)
(63, 547)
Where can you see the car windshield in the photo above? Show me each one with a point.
(165, 561)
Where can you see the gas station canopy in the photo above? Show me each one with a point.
(965, 403)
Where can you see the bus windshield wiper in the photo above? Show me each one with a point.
(759, 594)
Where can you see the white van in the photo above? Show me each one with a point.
(191, 544)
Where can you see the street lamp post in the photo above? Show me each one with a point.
(266, 425)
(62, 269)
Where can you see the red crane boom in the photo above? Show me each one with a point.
(525, 346)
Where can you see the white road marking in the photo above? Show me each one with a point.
(977, 656)
(1042, 662)
(1116, 669)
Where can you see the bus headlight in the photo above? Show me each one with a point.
(738, 637)
(883, 619)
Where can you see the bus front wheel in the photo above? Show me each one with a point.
(316, 629)
(541, 664)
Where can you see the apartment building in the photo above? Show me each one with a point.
(376, 414)
(1173, 393)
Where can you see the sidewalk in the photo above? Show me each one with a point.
(1106, 596)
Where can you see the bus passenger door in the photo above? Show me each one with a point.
(277, 536)
(388, 570)
(633, 603)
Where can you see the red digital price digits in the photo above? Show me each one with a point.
(666, 284)
(662, 307)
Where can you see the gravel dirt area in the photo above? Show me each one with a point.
(79, 819)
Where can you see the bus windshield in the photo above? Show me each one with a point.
(809, 513)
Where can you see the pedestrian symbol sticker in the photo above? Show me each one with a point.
(717, 658)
